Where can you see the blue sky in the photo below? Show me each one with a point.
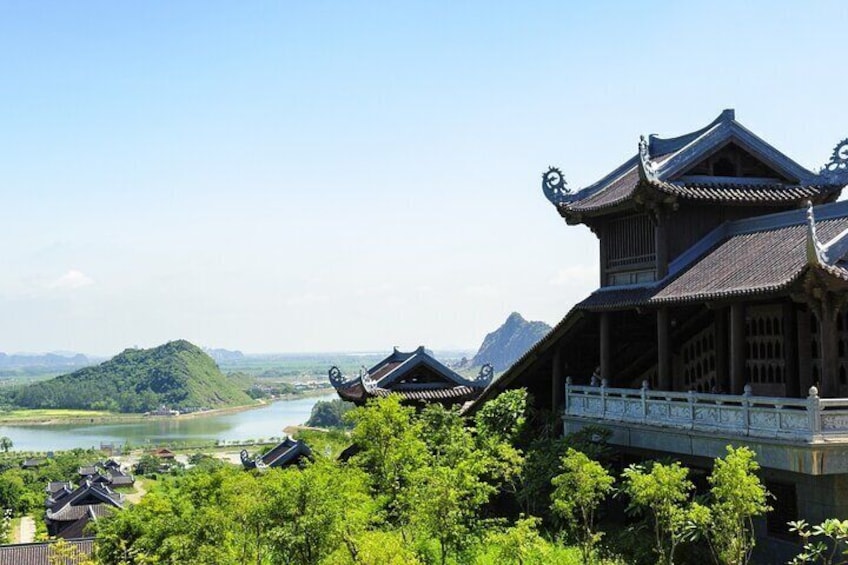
(324, 176)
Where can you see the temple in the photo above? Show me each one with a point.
(287, 452)
(417, 376)
(720, 315)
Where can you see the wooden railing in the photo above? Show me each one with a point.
(805, 419)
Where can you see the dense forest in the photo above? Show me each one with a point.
(178, 375)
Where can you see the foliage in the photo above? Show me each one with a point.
(147, 464)
(825, 543)
(391, 451)
(6, 444)
(521, 544)
(178, 375)
(580, 488)
(61, 552)
(504, 416)
(737, 496)
(374, 547)
(664, 490)
(330, 414)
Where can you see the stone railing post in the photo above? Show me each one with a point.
(644, 394)
(691, 400)
(604, 398)
(746, 407)
(814, 410)
(567, 393)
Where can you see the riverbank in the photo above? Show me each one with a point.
(61, 416)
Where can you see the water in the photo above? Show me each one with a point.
(265, 422)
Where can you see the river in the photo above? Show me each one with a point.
(264, 422)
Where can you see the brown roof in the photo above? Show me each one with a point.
(752, 263)
(39, 553)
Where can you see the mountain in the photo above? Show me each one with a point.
(178, 375)
(506, 344)
(224, 355)
(46, 360)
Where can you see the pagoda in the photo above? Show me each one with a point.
(720, 317)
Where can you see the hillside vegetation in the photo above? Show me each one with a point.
(178, 375)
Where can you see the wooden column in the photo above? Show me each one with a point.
(790, 351)
(829, 337)
(606, 347)
(661, 241)
(557, 382)
(737, 348)
(805, 364)
(663, 351)
(722, 340)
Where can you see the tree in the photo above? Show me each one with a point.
(830, 548)
(520, 545)
(664, 490)
(503, 416)
(580, 488)
(330, 414)
(391, 451)
(6, 444)
(737, 496)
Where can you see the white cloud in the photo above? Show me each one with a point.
(71, 280)
(576, 275)
(307, 299)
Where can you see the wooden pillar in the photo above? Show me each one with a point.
(829, 337)
(606, 347)
(557, 383)
(738, 351)
(805, 361)
(661, 244)
(722, 340)
(663, 351)
(790, 351)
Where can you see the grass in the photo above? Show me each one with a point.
(48, 414)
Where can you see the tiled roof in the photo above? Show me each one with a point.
(40, 553)
(390, 376)
(660, 166)
(70, 513)
(746, 262)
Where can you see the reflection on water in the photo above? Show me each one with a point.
(264, 422)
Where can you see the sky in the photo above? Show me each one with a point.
(352, 176)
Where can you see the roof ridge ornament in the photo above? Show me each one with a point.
(484, 377)
(554, 186)
(647, 169)
(337, 379)
(837, 167)
(815, 250)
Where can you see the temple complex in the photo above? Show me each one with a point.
(417, 376)
(720, 316)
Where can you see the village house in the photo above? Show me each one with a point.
(720, 316)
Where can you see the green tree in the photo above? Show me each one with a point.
(825, 543)
(519, 545)
(6, 444)
(579, 489)
(504, 416)
(392, 451)
(664, 491)
(737, 496)
(330, 414)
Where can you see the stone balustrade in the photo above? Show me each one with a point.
(808, 420)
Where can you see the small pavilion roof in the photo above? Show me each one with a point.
(285, 453)
(660, 166)
(388, 376)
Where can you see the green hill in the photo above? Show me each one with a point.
(178, 375)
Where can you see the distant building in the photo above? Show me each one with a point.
(721, 316)
(288, 452)
(70, 511)
(417, 376)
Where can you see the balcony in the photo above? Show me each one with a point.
(806, 435)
